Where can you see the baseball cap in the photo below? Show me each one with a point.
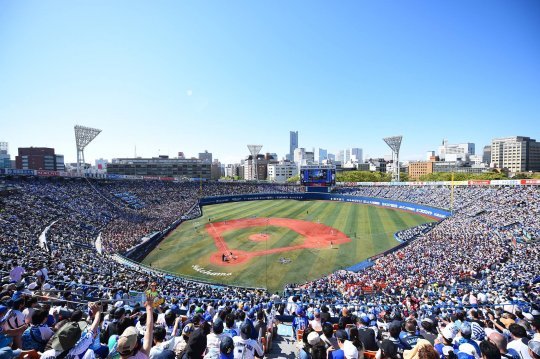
(467, 351)
(8, 353)
(448, 333)
(127, 341)
(217, 326)
(365, 319)
(341, 334)
(245, 329)
(466, 329)
(226, 348)
(534, 346)
(313, 338)
(188, 329)
(299, 311)
(395, 324)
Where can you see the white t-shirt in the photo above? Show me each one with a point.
(245, 348)
(520, 347)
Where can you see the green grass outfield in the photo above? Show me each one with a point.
(370, 228)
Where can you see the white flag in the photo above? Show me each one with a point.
(99, 249)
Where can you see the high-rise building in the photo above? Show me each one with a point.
(299, 154)
(320, 155)
(39, 158)
(205, 156)
(293, 143)
(5, 158)
(516, 154)
(486, 156)
(355, 155)
(461, 150)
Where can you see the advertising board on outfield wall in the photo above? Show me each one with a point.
(437, 213)
(45, 173)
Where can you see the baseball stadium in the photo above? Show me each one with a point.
(276, 242)
(279, 256)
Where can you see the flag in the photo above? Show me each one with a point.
(99, 249)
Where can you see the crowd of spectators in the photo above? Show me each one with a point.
(485, 256)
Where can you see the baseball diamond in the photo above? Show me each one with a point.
(247, 239)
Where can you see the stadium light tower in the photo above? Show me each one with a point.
(83, 136)
(394, 143)
(255, 149)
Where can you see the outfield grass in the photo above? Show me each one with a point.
(370, 228)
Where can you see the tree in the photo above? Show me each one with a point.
(293, 179)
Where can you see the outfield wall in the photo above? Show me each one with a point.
(433, 212)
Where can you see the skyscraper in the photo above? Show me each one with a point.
(293, 143)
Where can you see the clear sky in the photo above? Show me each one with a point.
(169, 76)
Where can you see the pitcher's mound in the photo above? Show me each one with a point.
(259, 237)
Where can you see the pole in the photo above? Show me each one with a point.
(452, 193)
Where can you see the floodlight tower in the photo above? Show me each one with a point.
(83, 136)
(255, 149)
(394, 143)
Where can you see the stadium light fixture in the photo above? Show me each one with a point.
(394, 143)
(83, 136)
(255, 149)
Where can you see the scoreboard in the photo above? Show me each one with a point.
(318, 176)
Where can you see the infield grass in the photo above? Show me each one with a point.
(370, 228)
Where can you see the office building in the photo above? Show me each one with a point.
(160, 166)
(515, 154)
(5, 158)
(462, 151)
(282, 171)
(39, 158)
(205, 157)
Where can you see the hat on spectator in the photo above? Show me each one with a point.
(313, 338)
(394, 324)
(299, 310)
(127, 341)
(218, 325)
(67, 336)
(226, 348)
(245, 329)
(341, 334)
(8, 353)
(534, 346)
(466, 329)
(467, 351)
(188, 329)
(448, 333)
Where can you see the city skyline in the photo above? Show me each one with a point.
(187, 77)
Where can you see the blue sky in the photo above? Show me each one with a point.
(169, 76)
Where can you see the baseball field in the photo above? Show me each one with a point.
(271, 243)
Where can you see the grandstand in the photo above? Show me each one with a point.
(485, 256)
